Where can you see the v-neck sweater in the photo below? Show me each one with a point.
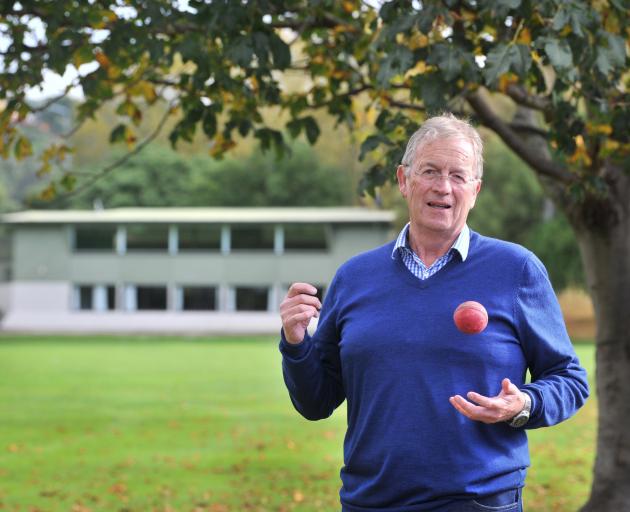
(386, 342)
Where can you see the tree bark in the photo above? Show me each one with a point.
(605, 253)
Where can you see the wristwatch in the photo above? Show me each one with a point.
(522, 417)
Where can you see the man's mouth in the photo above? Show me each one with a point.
(437, 204)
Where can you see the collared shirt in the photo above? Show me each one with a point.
(416, 266)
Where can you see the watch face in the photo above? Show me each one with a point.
(520, 420)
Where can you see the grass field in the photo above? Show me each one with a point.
(192, 425)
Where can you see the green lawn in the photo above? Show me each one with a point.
(185, 424)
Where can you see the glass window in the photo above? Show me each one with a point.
(199, 298)
(96, 297)
(151, 297)
(250, 298)
(147, 237)
(305, 237)
(199, 236)
(252, 236)
(94, 238)
(111, 297)
(85, 297)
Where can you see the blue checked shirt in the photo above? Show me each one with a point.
(415, 264)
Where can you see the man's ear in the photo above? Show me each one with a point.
(477, 190)
(403, 184)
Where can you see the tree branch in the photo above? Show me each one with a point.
(542, 165)
(520, 96)
(106, 170)
(54, 100)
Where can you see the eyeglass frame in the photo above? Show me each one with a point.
(430, 175)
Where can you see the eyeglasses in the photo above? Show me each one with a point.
(457, 179)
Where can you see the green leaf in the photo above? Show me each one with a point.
(372, 142)
(295, 127)
(118, 134)
(82, 56)
(280, 51)
(430, 88)
(448, 59)
(616, 49)
(312, 129)
(397, 61)
(497, 63)
(241, 51)
(261, 45)
(521, 59)
(68, 181)
(559, 53)
(209, 124)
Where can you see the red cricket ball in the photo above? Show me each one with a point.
(470, 317)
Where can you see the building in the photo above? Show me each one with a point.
(173, 270)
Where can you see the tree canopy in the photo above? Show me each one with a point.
(218, 65)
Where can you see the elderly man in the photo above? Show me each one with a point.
(437, 418)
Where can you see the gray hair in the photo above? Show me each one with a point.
(441, 127)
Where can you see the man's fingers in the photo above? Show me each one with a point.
(484, 401)
(309, 300)
(468, 409)
(298, 288)
(298, 309)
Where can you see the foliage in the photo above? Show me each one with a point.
(161, 177)
(205, 424)
(554, 243)
(511, 200)
(231, 59)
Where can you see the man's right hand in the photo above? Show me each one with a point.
(297, 309)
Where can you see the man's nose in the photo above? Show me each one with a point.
(442, 184)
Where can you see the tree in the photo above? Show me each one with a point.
(162, 177)
(561, 65)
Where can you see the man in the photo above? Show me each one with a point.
(436, 417)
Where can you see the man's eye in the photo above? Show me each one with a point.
(431, 173)
(460, 179)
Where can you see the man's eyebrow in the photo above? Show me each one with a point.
(436, 166)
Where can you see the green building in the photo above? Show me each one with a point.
(172, 270)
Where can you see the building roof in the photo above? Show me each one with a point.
(200, 215)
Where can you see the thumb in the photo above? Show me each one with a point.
(505, 386)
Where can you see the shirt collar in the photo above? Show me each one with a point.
(461, 244)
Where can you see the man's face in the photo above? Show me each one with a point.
(440, 207)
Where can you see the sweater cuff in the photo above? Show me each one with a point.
(295, 351)
(535, 408)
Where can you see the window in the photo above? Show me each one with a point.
(95, 297)
(151, 297)
(94, 238)
(252, 236)
(199, 236)
(147, 237)
(85, 297)
(198, 298)
(305, 237)
(249, 298)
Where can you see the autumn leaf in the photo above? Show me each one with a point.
(23, 148)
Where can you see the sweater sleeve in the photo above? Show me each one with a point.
(312, 368)
(559, 386)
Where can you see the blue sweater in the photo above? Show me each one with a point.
(386, 342)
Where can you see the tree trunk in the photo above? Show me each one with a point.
(604, 238)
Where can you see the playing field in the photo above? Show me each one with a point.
(182, 424)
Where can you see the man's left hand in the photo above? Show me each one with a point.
(503, 407)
